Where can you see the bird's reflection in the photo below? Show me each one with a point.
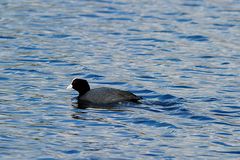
(81, 108)
(85, 105)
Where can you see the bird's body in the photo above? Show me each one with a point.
(108, 95)
(102, 95)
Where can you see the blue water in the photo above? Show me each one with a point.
(182, 57)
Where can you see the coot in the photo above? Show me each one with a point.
(102, 95)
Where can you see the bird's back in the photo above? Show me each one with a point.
(105, 95)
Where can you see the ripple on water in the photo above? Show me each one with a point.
(183, 59)
(197, 38)
(7, 37)
(149, 122)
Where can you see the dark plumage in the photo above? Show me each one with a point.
(102, 95)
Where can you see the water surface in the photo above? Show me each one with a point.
(182, 57)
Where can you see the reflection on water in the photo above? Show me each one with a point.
(182, 57)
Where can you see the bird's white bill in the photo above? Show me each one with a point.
(69, 87)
